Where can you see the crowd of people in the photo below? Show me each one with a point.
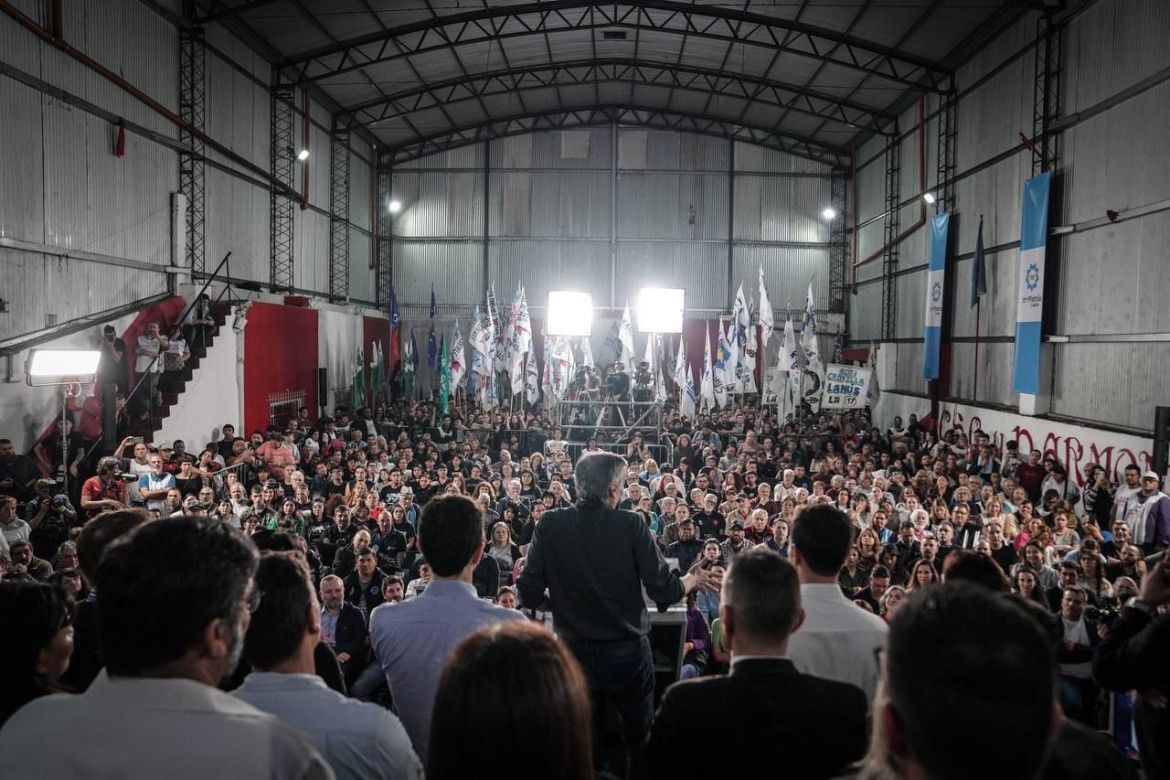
(858, 600)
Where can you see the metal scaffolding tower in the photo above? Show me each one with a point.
(948, 126)
(339, 215)
(1046, 95)
(890, 258)
(384, 223)
(283, 154)
(192, 102)
(838, 241)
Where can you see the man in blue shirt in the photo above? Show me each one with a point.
(358, 739)
(413, 640)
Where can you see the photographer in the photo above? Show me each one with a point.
(104, 491)
(1132, 656)
(51, 517)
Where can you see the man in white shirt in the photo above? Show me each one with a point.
(359, 740)
(1078, 692)
(173, 626)
(149, 346)
(1132, 486)
(154, 484)
(414, 639)
(838, 640)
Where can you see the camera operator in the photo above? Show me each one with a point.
(617, 384)
(51, 517)
(104, 491)
(592, 391)
(1132, 656)
(643, 381)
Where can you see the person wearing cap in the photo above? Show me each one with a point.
(406, 501)
(1147, 513)
(735, 542)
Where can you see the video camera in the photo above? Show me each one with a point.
(1106, 613)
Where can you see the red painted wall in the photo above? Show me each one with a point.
(375, 329)
(280, 353)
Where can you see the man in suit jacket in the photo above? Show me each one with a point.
(814, 727)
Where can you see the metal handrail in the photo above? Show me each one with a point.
(150, 368)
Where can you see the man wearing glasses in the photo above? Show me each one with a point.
(155, 709)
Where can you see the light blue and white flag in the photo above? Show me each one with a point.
(1030, 284)
(935, 291)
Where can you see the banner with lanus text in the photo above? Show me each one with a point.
(846, 387)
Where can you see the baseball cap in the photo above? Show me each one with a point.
(406, 491)
(1151, 475)
(736, 524)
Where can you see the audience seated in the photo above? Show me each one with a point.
(352, 502)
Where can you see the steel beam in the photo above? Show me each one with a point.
(283, 157)
(339, 215)
(384, 227)
(892, 229)
(839, 242)
(517, 81)
(593, 116)
(501, 22)
(192, 110)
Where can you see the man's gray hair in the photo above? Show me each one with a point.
(597, 472)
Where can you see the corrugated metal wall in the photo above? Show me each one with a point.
(61, 184)
(550, 214)
(1114, 279)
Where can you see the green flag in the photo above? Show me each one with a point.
(409, 362)
(378, 368)
(357, 391)
(444, 377)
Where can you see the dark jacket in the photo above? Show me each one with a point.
(350, 636)
(373, 591)
(812, 727)
(594, 561)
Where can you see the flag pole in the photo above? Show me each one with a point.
(978, 306)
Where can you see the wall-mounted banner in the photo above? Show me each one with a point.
(935, 287)
(846, 387)
(1030, 284)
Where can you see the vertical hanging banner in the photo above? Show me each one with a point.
(935, 287)
(1030, 284)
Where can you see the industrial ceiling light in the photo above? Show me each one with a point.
(570, 313)
(929, 197)
(394, 206)
(829, 214)
(303, 155)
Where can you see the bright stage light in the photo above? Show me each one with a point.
(829, 214)
(303, 155)
(79, 364)
(929, 197)
(570, 313)
(395, 207)
(660, 310)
